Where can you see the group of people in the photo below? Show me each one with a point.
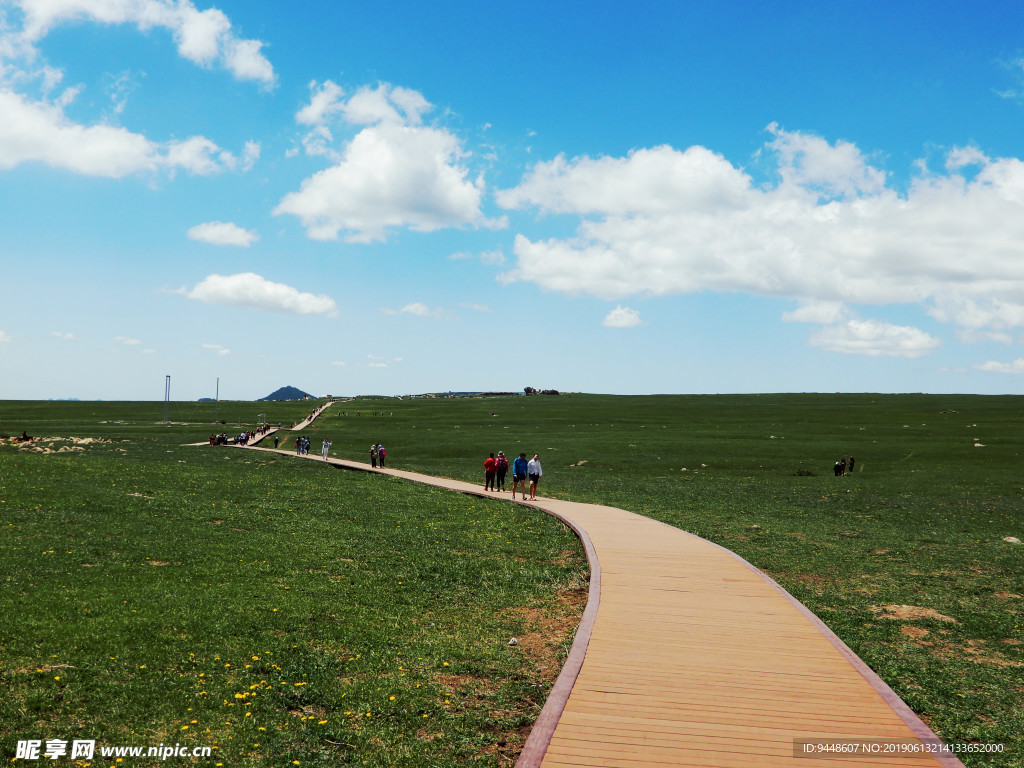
(377, 453)
(223, 439)
(302, 445)
(843, 466)
(496, 468)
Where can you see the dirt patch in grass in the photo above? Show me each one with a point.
(909, 613)
(547, 632)
(913, 632)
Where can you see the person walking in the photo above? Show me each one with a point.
(519, 467)
(373, 455)
(323, 450)
(533, 469)
(500, 470)
(381, 454)
(489, 473)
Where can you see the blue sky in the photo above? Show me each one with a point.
(398, 197)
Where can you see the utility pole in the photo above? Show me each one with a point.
(216, 408)
(167, 398)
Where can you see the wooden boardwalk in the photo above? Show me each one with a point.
(687, 655)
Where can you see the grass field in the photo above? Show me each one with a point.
(904, 559)
(277, 611)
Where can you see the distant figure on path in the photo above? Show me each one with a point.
(500, 469)
(381, 454)
(276, 439)
(324, 449)
(519, 468)
(849, 466)
(533, 469)
(373, 455)
(489, 472)
(298, 445)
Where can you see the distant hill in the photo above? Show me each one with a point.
(286, 393)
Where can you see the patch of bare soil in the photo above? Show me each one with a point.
(909, 613)
(547, 632)
(52, 444)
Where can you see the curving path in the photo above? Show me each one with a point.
(687, 655)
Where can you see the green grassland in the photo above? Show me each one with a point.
(279, 611)
(938, 484)
(919, 524)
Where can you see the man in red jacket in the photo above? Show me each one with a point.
(490, 469)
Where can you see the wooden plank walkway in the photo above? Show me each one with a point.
(687, 655)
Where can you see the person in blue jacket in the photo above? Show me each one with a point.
(519, 475)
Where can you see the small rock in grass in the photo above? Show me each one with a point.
(513, 642)
(1012, 540)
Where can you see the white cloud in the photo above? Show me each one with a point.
(493, 258)
(220, 350)
(5, 337)
(63, 335)
(223, 233)
(325, 101)
(247, 289)
(339, 363)
(128, 341)
(833, 170)
(39, 131)
(992, 366)
(829, 232)
(874, 338)
(475, 307)
(622, 317)
(394, 172)
(821, 312)
(388, 176)
(203, 37)
(416, 308)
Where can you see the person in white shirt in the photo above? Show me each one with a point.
(533, 469)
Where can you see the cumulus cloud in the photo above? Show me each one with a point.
(220, 350)
(223, 233)
(37, 128)
(622, 317)
(247, 289)
(874, 338)
(394, 172)
(1016, 367)
(203, 37)
(828, 232)
(39, 131)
